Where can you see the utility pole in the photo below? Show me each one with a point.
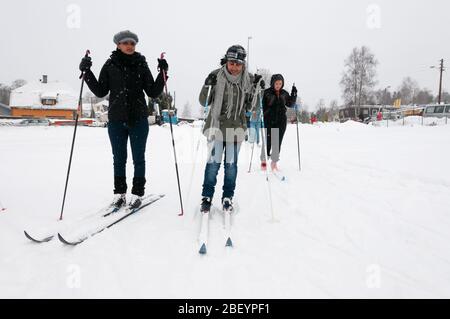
(440, 81)
(441, 70)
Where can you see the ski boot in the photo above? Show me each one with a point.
(264, 166)
(205, 206)
(274, 167)
(119, 200)
(135, 202)
(227, 204)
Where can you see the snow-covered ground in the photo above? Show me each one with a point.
(368, 216)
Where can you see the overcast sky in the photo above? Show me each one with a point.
(306, 41)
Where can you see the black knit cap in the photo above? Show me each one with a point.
(236, 53)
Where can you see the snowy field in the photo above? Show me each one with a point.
(368, 217)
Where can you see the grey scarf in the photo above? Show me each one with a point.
(226, 81)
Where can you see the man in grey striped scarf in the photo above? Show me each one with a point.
(228, 93)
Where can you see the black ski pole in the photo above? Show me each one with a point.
(80, 102)
(298, 139)
(253, 149)
(264, 143)
(173, 140)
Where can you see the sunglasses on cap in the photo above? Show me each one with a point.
(236, 56)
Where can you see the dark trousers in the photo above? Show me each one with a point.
(274, 138)
(216, 150)
(119, 132)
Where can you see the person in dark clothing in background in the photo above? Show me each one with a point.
(275, 100)
(126, 76)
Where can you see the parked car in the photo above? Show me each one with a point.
(439, 111)
(35, 122)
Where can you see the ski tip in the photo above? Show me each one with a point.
(283, 178)
(202, 250)
(27, 235)
(36, 240)
(61, 239)
(229, 243)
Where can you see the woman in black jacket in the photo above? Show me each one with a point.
(126, 76)
(275, 101)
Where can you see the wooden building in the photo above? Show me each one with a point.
(44, 99)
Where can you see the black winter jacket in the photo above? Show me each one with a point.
(125, 77)
(274, 106)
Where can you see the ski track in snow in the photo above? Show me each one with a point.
(366, 197)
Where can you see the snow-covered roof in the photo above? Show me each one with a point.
(31, 94)
(49, 95)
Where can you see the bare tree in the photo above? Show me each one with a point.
(321, 111)
(408, 89)
(17, 84)
(266, 75)
(333, 111)
(423, 96)
(382, 97)
(358, 79)
(445, 97)
(89, 97)
(187, 111)
(304, 114)
(5, 90)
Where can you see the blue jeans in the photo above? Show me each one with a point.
(213, 165)
(119, 132)
(254, 128)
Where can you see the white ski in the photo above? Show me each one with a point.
(203, 236)
(227, 223)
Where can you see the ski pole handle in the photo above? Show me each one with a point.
(165, 78)
(86, 55)
(207, 111)
(207, 97)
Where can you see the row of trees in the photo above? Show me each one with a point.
(5, 90)
(359, 80)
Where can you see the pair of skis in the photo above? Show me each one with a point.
(277, 174)
(104, 219)
(204, 230)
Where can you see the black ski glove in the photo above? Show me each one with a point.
(262, 84)
(162, 65)
(256, 80)
(211, 80)
(85, 64)
(294, 91)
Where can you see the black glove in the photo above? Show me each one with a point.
(162, 65)
(85, 64)
(263, 84)
(294, 91)
(257, 78)
(211, 80)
